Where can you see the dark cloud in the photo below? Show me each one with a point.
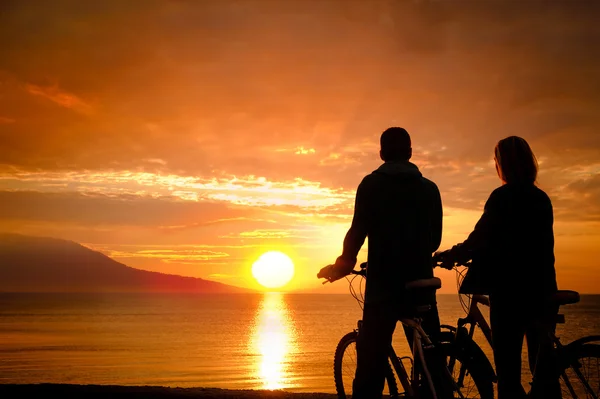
(579, 200)
(196, 83)
(99, 210)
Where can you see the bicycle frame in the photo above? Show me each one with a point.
(420, 342)
(401, 372)
(475, 318)
(420, 338)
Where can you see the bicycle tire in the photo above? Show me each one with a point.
(478, 385)
(586, 358)
(343, 350)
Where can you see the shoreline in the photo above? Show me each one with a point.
(147, 391)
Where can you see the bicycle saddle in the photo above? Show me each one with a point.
(432, 283)
(565, 297)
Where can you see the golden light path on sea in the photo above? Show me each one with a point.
(273, 342)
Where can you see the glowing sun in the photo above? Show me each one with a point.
(273, 269)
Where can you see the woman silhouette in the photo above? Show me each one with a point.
(513, 245)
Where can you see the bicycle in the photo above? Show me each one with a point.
(344, 365)
(570, 358)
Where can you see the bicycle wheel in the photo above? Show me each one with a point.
(344, 368)
(581, 378)
(468, 375)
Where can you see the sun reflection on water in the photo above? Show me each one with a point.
(273, 341)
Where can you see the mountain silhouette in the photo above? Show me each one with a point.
(42, 264)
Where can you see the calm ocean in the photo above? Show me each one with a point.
(270, 341)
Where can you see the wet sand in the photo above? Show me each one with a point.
(9, 391)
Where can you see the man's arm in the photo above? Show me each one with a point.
(437, 220)
(356, 235)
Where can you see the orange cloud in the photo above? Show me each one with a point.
(222, 132)
(264, 234)
(60, 97)
(304, 151)
(171, 255)
(245, 190)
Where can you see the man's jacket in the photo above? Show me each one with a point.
(400, 212)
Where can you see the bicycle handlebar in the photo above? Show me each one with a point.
(437, 261)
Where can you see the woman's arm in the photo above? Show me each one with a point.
(485, 231)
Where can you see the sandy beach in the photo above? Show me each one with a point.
(153, 392)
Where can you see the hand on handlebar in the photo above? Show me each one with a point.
(455, 256)
(330, 273)
(443, 259)
(339, 269)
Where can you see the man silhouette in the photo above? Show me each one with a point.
(401, 213)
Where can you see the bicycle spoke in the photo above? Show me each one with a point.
(582, 378)
(467, 386)
(349, 367)
(590, 392)
(568, 385)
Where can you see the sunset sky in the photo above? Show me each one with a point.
(189, 137)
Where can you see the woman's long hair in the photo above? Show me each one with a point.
(515, 161)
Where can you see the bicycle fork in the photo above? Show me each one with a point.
(461, 333)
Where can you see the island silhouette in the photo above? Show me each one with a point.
(45, 264)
